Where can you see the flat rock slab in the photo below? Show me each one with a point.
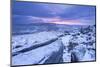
(51, 52)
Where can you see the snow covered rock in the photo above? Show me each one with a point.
(54, 47)
(80, 46)
(48, 49)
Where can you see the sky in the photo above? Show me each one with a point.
(32, 12)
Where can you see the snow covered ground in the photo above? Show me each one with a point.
(48, 47)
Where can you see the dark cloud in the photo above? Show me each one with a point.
(64, 12)
(30, 9)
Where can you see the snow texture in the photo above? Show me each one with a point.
(47, 47)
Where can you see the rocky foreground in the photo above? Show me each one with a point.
(54, 47)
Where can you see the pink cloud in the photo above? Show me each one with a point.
(56, 20)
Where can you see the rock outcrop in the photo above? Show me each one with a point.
(49, 47)
(49, 50)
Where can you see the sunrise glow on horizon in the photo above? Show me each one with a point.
(69, 22)
(53, 13)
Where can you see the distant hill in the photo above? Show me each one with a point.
(38, 27)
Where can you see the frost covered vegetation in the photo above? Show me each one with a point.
(49, 43)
